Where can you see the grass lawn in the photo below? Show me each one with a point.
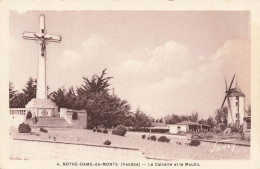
(150, 148)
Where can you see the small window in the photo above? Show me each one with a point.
(236, 115)
(237, 97)
(237, 104)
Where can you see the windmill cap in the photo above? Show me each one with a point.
(236, 92)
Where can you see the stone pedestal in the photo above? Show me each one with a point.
(42, 108)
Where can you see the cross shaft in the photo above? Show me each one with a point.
(42, 37)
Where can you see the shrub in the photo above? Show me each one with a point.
(168, 140)
(29, 115)
(43, 130)
(94, 129)
(99, 131)
(119, 130)
(220, 127)
(105, 131)
(194, 143)
(149, 137)
(24, 128)
(107, 142)
(101, 127)
(162, 139)
(143, 136)
(153, 138)
(74, 116)
(197, 136)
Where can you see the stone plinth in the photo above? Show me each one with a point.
(42, 108)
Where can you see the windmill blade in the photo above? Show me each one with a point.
(224, 101)
(229, 106)
(226, 84)
(231, 83)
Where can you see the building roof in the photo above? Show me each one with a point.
(188, 123)
(159, 124)
(236, 92)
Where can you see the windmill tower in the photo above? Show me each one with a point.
(236, 104)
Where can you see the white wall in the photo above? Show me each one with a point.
(15, 120)
(174, 128)
(236, 109)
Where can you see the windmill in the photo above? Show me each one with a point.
(227, 97)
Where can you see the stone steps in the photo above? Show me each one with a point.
(50, 122)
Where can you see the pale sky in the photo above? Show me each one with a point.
(164, 62)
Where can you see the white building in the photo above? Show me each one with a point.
(237, 106)
(186, 126)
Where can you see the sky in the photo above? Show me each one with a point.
(165, 62)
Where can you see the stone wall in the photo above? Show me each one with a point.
(50, 150)
(17, 116)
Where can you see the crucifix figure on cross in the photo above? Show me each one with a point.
(42, 38)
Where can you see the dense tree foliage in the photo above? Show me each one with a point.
(20, 99)
(93, 96)
(174, 119)
(64, 98)
(140, 120)
(221, 115)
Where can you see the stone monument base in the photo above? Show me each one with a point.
(42, 108)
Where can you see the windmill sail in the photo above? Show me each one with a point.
(227, 91)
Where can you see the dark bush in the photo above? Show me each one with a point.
(194, 143)
(149, 137)
(43, 130)
(99, 131)
(94, 129)
(101, 127)
(119, 130)
(105, 131)
(24, 128)
(197, 136)
(74, 116)
(162, 139)
(153, 138)
(168, 140)
(107, 142)
(143, 136)
(29, 115)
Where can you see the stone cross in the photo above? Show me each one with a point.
(42, 39)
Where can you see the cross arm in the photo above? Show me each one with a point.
(29, 36)
(53, 38)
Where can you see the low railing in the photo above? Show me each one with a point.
(18, 111)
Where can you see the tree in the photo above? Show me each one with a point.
(108, 110)
(221, 115)
(97, 84)
(30, 90)
(194, 117)
(141, 120)
(64, 98)
(172, 119)
(19, 100)
(12, 96)
(210, 122)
